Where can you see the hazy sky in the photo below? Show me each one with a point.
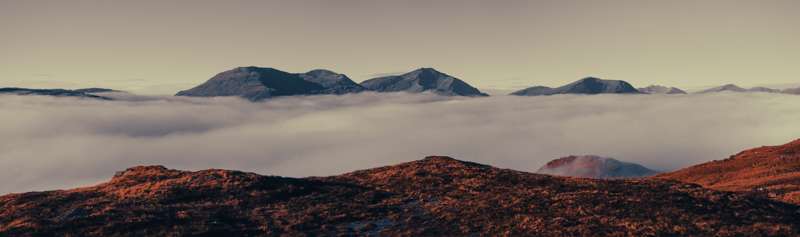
(160, 47)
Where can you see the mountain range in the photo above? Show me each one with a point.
(434, 196)
(256, 83)
(735, 88)
(79, 93)
(260, 83)
(590, 166)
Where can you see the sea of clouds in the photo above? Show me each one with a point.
(52, 143)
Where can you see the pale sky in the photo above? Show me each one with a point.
(160, 47)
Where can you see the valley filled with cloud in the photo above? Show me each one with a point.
(51, 143)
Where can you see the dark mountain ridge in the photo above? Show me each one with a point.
(588, 86)
(656, 89)
(80, 93)
(423, 80)
(257, 83)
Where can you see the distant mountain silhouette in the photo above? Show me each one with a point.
(257, 83)
(735, 88)
(50, 92)
(95, 90)
(423, 80)
(594, 167)
(656, 89)
(794, 91)
(763, 89)
(589, 85)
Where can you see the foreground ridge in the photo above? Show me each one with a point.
(772, 171)
(433, 196)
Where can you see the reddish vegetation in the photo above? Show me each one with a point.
(771, 170)
(434, 196)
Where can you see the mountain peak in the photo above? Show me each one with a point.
(427, 70)
(143, 173)
(591, 79)
(726, 87)
(731, 87)
(592, 166)
(257, 69)
(423, 80)
(587, 85)
(258, 83)
(658, 89)
(322, 72)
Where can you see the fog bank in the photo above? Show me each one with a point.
(50, 143)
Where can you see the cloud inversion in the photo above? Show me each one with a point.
(49, 143)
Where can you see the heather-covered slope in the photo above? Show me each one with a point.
(433, 196)
(773, 171)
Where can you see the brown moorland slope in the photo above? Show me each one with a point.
(773, 171)
(433, 196)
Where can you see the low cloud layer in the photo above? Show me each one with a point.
(50, 143)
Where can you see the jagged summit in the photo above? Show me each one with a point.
(588, 85)
(422, 80)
